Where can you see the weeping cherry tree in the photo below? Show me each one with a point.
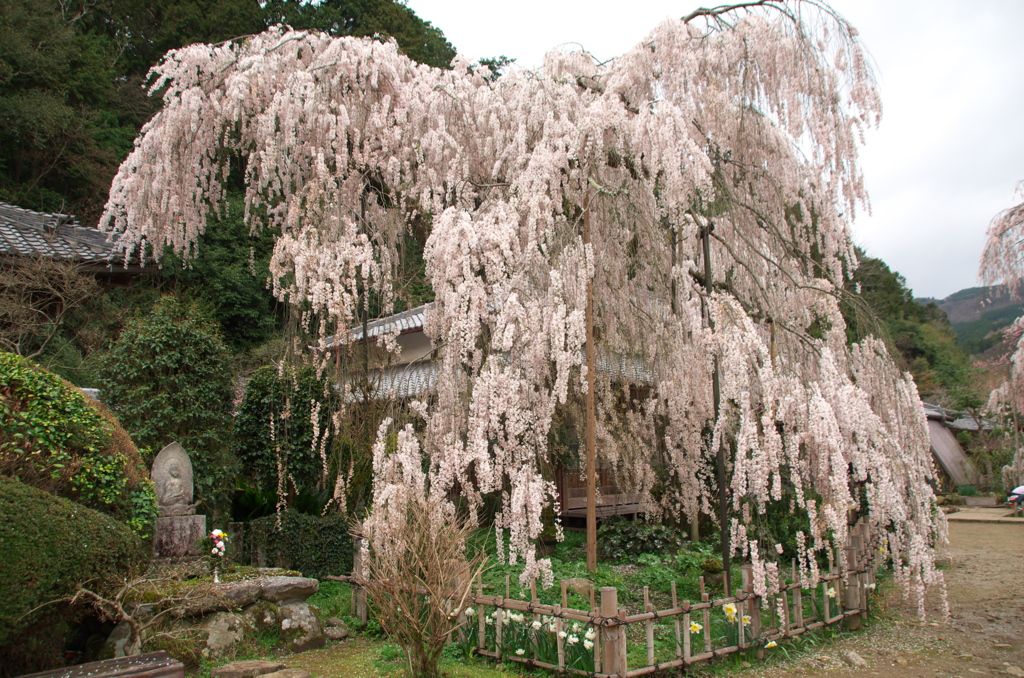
(692, 197)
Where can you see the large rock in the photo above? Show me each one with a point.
(224, 631)
(246, 669)
(288, 673)
(300, 627)
(288, 589)
(336, 632)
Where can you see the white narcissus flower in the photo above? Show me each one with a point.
(746, 619)
(695, 627)
(588, 644)
(590, 634)
(536, 625)
(562, 634)
(470, 611)
(520, 652)
(573, 639)
(771, 644)
(831, 592)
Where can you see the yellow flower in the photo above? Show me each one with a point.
(831, 592)
(746, 619)
(695, 627)
(771, 643)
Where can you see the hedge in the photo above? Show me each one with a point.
(314, 545)
(55, 438)
(50, 546)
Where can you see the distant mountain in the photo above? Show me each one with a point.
(978, 314)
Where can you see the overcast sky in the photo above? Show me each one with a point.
(950, 148)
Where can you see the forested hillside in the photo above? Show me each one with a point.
(979, 314)
(920, 332)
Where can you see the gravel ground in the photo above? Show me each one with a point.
(983, 637)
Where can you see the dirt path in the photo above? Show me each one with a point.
(984, 637)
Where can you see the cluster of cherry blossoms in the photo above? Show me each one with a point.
(1002, 264)
(739, 132)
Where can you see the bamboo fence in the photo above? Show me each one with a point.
(595, 642)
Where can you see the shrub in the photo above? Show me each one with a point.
(167, 378)
(618, 538)
(315, 545)
(55, 438)
(51, 545)
(288, 397)
(967, 491)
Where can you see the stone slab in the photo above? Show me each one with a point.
(150, 665)
(288, 673)
(246, 669)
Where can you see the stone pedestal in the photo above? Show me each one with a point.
(178, 536)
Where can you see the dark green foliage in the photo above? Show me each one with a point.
(287, 398)
(417, 38)
(920, 334)
(53, 438)
(967, 491)
(63, 129)
(314, 545)
(229, 274)
(167, 378)
(619, 537)
(50, 546)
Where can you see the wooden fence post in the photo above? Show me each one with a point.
(612, 635)
(753, 606)
(358, 592)
(852, 597)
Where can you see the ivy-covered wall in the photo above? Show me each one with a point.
(316, 546)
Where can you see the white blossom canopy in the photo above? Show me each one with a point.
(747, 119)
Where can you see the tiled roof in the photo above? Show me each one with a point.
(32, 234)
(403, 381)
(406, 321)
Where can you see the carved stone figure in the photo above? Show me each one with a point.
(178, 529)
(172, 475)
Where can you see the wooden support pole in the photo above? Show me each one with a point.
(591, 411)
(716, 387)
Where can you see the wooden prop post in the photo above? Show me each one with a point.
(358, 592)
(591, 411)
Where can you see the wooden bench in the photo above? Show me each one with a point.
(149, 665)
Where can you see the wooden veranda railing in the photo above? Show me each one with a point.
(596, 642)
